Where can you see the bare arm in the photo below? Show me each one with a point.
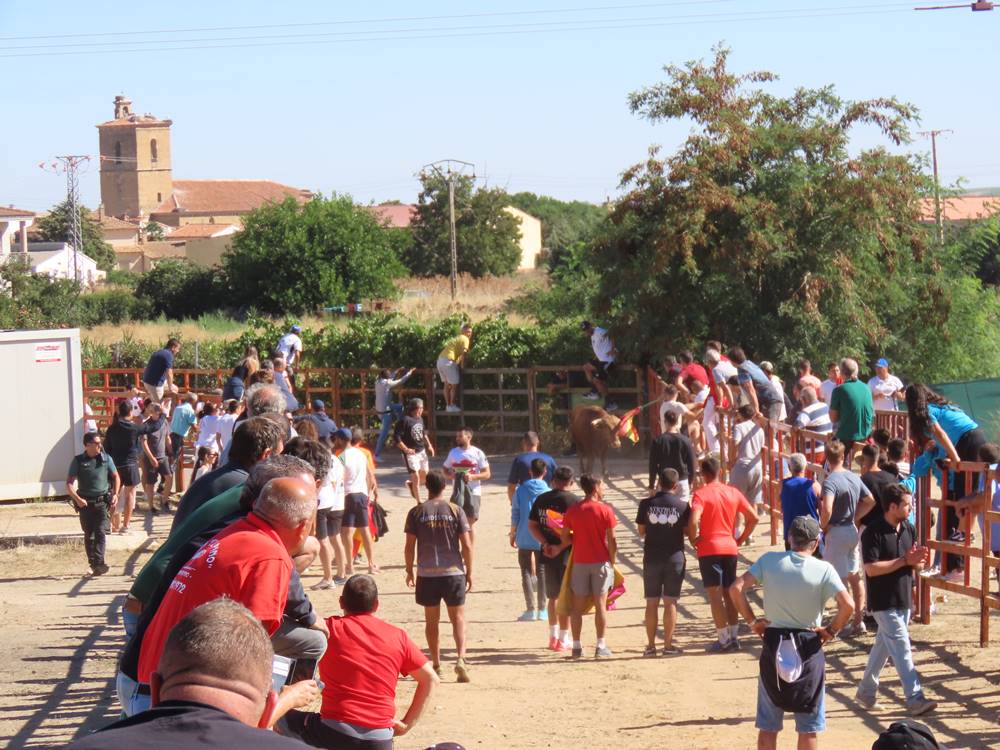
(483, 475)
(752, 395)
(641, 528)
(612, 545)
(749, 523)
(409, 553)
(738, 595)
(866, 504)
(825, 510)
(511, 489)
(146, 449)
(78, 501)
(297, 695)
(536, 531)
(845, 608)
(426, 680)
(916, 558)
(945, 442)
(694, 526)
(466, 541)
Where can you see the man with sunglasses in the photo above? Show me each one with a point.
(93, 483)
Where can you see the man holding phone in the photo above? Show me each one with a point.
(891, 555)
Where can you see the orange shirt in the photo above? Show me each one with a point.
(720, 504)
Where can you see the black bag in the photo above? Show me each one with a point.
(907, 735)
(378, 516)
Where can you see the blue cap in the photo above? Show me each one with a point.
(343, 433)
(318, 404)
(883, 362)
(296, 328)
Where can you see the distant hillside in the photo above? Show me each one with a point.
(982, 191)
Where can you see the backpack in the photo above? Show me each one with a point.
(906, 735)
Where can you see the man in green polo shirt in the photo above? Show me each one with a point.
(93, 484)
(852, 409)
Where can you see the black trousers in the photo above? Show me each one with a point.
(967, 448)
(96, 523)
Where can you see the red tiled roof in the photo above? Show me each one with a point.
(198, 231)
(227, 196)
(11, 211)
(961, 208)
(396, 215)
(110, 222)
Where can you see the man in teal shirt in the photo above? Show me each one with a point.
(180, 424)
(852, 409)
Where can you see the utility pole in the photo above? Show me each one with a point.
(70, 164)
(938, 219)
(448, 174)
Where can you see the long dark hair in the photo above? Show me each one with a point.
(918, 396)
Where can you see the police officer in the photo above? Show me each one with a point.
(93, 485)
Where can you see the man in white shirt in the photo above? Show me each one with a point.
(329, 521)
(465, 458)
(721, 370)
(387, 410)
(599, 368)
(359, 485)
(886, 389)
(833, 379)
(290, 347)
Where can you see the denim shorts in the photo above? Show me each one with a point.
(770, 718)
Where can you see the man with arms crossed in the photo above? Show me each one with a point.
(714, 509)
(589, 526)
(662, 521)
(796, 589)
(437, 538)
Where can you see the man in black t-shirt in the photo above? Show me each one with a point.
(891, 555)
(123, 443)
(414, 445)
(544, 522)
(672, 450)
(662, 521)
(877, 481)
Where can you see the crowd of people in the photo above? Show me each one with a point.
(219, 627)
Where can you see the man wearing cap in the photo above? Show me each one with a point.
(449, 366)
(325, 426)
(290, 348)
(796, 588)
(599, 368)
(886, 389)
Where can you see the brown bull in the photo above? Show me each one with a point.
(593, 432)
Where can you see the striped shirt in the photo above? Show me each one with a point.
(815, 417)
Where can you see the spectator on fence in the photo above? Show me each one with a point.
(599, 369)
(833, 379)
(520, 469)
(799, 495)
(761, 392)
(413, 443)
(987, 499)
(158, 377)
(806, 379)
(449, 366)
(157, 466)
(815, 417)
(183, 419)
(359, 673)
(467, 466)
(211, 687)
(672, 450)
(747, 473)
(720, 398)
(236, 383)
(842, 493)
(768, 368)
(687, 415)
(886, 388)
(796, 588)
(891, 556)
(289, 348)
(852, 409)
(124, 442)
(92, 483)
(386, 408)
(325, 427)
(690, 370)
(282, 379)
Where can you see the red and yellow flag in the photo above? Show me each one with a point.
(626, 428)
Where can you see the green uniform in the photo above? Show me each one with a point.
(94, 475)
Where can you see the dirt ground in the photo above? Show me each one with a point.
(61, 634)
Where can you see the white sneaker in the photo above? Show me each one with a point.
(452, 408)
(931, 572)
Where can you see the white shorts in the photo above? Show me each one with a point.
(155, 392)
(842, 549)
(448, 370)
(418, 461)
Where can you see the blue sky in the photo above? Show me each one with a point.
(535, 107)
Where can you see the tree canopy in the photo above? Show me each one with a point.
(566, 225)
(294, 259)
(54, 227)
(487, 235)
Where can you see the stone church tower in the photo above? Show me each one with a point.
(135, 162)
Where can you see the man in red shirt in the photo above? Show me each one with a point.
(250, 562)
(359, 671)
(714, 510)
(589, 526)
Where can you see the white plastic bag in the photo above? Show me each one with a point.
(787, 661)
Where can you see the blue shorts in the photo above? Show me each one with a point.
(770, 718)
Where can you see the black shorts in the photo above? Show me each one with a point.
(554, 568)
(310, 729)
(602, 369)
(153, 473)
(130, 475)
(431, 591)
(355, 511)
(328, 522)
(717, 570)
(663, 578)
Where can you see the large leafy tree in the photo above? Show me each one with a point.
(54, 227)
(765, 229)
(566, 225)
(486, 234)
(179, 289)
(294, 259)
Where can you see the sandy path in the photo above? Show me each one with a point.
(61, 635)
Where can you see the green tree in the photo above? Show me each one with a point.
(154, 232)
(764, 229)
(566, 225)
(54, 227)
(486, 235)
(179, 289)
(294, 259)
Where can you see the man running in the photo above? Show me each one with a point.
(589, 526)
(437, 538)
(414, 445)
(544, 522)
(467, 466)
(662, 521)
(714, 509)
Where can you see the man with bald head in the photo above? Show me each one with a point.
(250, 561)
(211, 688)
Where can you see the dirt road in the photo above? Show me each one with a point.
(61, 634)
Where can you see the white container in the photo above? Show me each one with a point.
(41, 399)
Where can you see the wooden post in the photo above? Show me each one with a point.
(532, 400)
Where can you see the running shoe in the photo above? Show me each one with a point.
(437, 669)
(871, 704)
(718, 648)
(610, 406)
(602, 652)
(650, 651)
(921, 706)
(931, 572)
(101, 569)
(957, 536)
(323, 584)
(734, 644)
(541, 614)
(527, 616)
(563, 646)
(554, 643)
(462, 670)
(340, 580)
(672, 651)
(592, 395)
(577, 653)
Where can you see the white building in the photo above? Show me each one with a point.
(14, 222)
(58, 261)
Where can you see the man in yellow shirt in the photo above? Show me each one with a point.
(449, 361)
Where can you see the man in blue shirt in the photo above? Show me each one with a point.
(158, 377)
(529, 555)
(520, 470)
(325, 427)
(183, 420)
(764, 396)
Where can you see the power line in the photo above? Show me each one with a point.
(614, 25)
